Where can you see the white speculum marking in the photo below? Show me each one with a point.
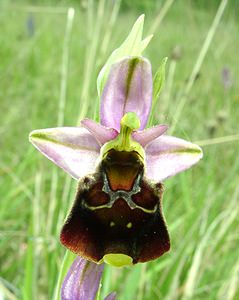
(122, 194)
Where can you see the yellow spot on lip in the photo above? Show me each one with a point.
(118, 259)
(129, 225)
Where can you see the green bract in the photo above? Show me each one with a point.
(133, 45)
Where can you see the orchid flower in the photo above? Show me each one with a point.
(117, 215)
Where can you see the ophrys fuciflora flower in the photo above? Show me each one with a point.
(117, 215)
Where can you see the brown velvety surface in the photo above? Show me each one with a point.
(92, 229)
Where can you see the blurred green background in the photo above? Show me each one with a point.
(48, 77)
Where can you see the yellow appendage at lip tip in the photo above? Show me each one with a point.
(118, 259)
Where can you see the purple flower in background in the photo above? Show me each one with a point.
(117, 215)
(30, 25)
(226, 78)
(82, 281)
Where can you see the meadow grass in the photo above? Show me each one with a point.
(50, 59)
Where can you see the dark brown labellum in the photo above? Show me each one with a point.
(117, 210)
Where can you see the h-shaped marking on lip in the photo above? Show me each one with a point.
(126, 195)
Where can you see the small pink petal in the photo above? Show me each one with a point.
(101, 133)
(82, 280)
(146, 136)
(73, 149)
(167, 156)
(128, 89)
